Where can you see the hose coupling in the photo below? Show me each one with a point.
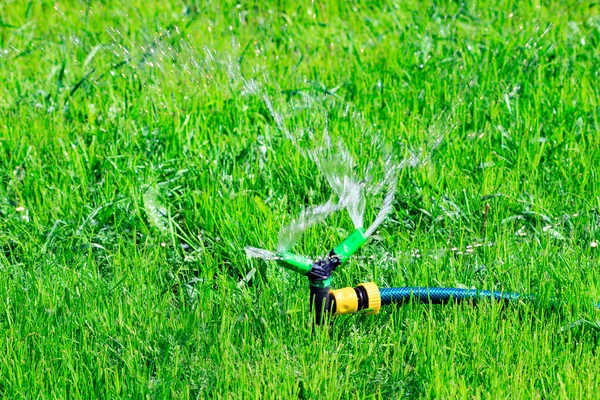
(364, 299)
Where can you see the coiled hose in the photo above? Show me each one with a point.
(436, 295)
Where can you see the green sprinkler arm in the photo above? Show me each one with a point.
(319, 272)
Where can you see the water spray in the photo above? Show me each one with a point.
(337, 166)
(365, 298)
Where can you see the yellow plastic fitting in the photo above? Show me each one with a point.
(346, 301)
(374, 297)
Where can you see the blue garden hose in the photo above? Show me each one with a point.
(437, 295)
(368, 298)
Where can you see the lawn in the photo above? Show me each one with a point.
(144, 145)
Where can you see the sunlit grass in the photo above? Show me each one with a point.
(134, 170)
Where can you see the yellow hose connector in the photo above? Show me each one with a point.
(374, 297)
(346, 301)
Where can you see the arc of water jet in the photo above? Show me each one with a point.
(388, 201)
(288, 235)
(255, 252)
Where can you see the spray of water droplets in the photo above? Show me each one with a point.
(255, 252)
(337, 167)
(303, 119)
(290, 234)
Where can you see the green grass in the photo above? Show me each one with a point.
(133, 171)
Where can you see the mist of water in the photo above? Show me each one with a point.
(338, 169)
(255, 252)
(156, 53)
(349, 183)
(290, 234)
(388, 200)
(353, 186)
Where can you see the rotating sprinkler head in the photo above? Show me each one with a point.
(319, 274)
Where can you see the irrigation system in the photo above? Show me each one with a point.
(367, 298)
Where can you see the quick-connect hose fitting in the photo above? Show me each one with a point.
(373, 298)
(364, 298)
(345, 301)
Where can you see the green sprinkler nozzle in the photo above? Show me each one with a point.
(350, 245)
(321, 270)
(296, 263)
(338, 256)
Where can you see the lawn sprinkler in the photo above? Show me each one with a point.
(367, 298)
